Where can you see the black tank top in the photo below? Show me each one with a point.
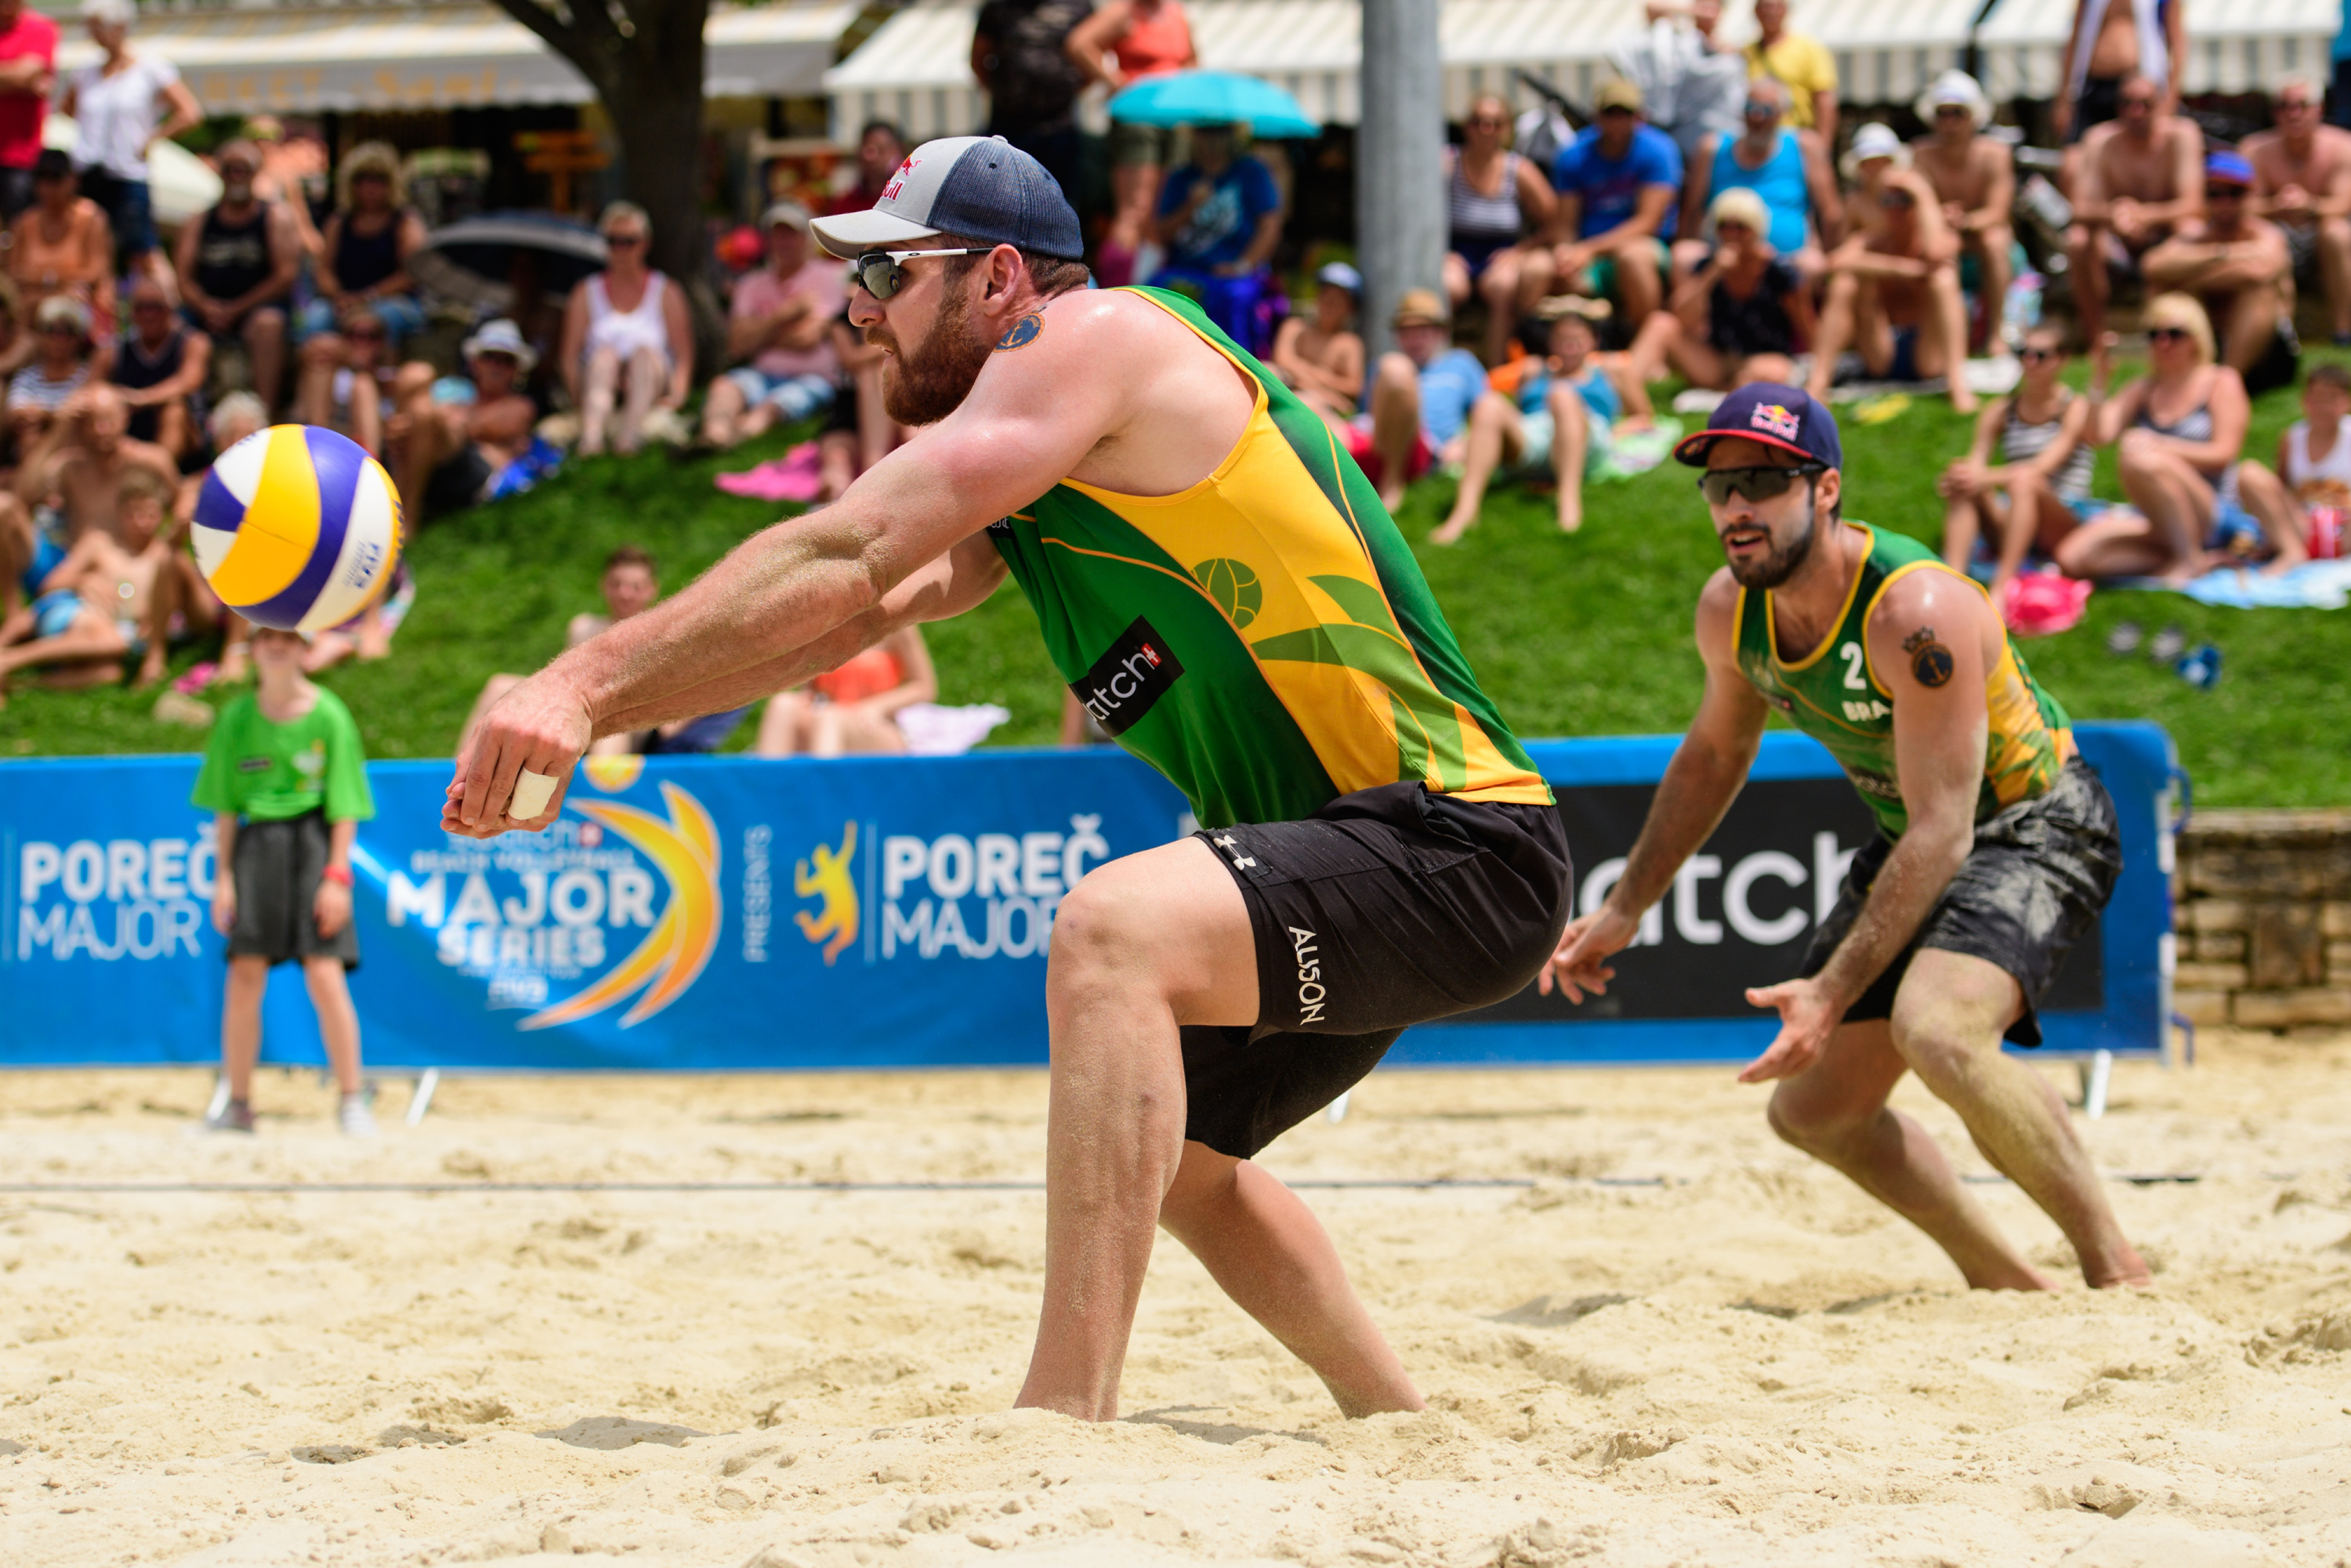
(362, 261)
(233, 259)
(134, 369)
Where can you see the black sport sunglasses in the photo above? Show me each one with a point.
(1757, 483)
(879, 274)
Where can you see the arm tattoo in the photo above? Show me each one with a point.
(1930, 662)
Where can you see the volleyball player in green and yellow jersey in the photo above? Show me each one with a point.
(1997, 844)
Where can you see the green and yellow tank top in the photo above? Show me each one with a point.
(1264, 638)
(1834, 695)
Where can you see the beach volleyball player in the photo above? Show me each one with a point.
(1996, 850)
(1219, 585)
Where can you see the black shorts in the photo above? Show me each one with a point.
(2101, 100)
(460, 481)
(1386, 908)
(279, 866)
(840, 415)
(2040, 872)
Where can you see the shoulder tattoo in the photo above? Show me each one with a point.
(1930, 662)
(1022, 333)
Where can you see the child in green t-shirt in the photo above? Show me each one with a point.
(287, 782)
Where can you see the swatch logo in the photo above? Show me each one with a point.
(684, 849)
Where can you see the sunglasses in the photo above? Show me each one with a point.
(59, 330)
(624, 239)
(1896, 200)
(231, 170)
(1756, 109)
(2167, 334)
(1760, 484)
(879, 274)
(2036, 356)
(1488, 122)
(2224, 193)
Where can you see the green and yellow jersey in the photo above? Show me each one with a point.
(1834, 695)
(1264, 638)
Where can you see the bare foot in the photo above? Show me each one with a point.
(374, 642)
(152, 669)
(1963, 400)
(1570, 519)
(1448, 531)
(2129, 1270)
(1392, 499)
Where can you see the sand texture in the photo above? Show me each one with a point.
(1745, 1362)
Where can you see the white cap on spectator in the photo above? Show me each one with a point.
(1874, 141)
(501, 337)
(1339, 275)
(62, 309)
(1955, 87)
(115, 13)
(790, 214)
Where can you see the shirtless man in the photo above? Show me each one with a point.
(1894, 284)
(2142, 176)
(1322, 356)
(2301, 183)
(447, 456)
(84, 458)
(1997, 848)
(1208, 994)
(114, 598)
(2238, 266)
(1975, 175)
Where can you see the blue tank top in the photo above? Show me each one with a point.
(1780, 183)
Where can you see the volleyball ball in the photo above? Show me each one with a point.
(296, 527)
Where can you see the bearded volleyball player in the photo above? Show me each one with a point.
(1997, 844)
(1220, 586)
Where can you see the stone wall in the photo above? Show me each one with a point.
(2262, 903)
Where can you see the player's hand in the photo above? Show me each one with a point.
(331, 909)
(224, 904)
(541, 726)
(1808, 1014)
(1578, 966)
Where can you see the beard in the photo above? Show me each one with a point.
(930, 384)
(1780, 564)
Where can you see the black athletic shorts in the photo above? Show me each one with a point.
(2101, 100)
(1386, 908)
(279, 866)
(840, 415)
(2040, 872)
(459, 482)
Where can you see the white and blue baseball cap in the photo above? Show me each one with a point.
(980, 187)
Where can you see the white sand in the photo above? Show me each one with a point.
(1749, 1364)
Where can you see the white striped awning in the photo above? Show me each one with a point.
(284, 59)
(2233, 45)
(917, 67)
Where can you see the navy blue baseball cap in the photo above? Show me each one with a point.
(980, 187)
(1788, 418)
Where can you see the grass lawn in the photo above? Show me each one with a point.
(1587, 636)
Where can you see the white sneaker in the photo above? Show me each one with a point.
(355, 1118)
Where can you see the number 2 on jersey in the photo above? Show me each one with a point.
(1851, 655)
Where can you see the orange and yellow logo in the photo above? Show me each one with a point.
(835, 921)
(673, 952)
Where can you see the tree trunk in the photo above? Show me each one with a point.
(645, 60)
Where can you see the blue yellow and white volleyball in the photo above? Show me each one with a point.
(296, 527)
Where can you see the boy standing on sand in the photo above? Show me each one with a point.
(287, 782)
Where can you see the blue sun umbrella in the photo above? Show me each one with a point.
(1214, 98)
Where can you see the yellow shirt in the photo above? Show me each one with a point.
(1803, 63)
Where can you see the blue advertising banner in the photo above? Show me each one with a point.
(719, 914)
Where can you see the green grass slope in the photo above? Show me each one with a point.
(1587, 636)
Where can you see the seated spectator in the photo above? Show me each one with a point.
(17, 338)
(779, 331)
(60, 366)
(237, 263)
(2034, 496)
(2178, 432)
(114, 596)
(2301, 183)
(853, 709)
(83, 460)
(881, 148)
(1618, 184)
(1974, 177)
(2314, 455)
(117, 104)
(1742, 314)
(367, 241)
(367, 635)
(1559, 424)
(460, 443)
(859, 433)
(1493, 199)
(60, 247)
(294, 166)
(1220, 219)
(1421, 394)
(626, 340)
(160, 367)
(2141, 176)
(2239, 268)
(346, 381)
(1893, 286)
(1321, 357)
(1788, 174)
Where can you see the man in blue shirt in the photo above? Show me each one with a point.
(1419, 399)
(1617, 184)
(1220, 218)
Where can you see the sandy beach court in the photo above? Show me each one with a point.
(1682, 1343)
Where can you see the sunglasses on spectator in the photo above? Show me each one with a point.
(239, 166)
(1897, 200)
(1757, 483)
(2037, 356)
(1951, 111)
(1758, 108)
(1488, 122)
(2224, 193)
(2144, 101)
(624, 239)
(1615, 109)
(2167, 334)
(879, 274)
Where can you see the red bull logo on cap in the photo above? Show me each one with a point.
(1772, 419)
